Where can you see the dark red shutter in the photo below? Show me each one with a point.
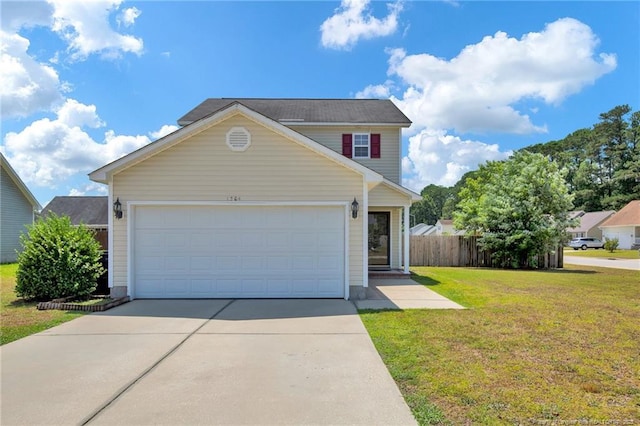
(375, 145)
(347, 145)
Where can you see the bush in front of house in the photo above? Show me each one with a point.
(611, 244)
(58, 260)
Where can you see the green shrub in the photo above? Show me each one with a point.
(58, 260)
(611, 244)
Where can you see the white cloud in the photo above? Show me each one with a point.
(26, 85)
(476, 91)
(438, 158)
(377, 91)
(75, 114)
(21, 14)
(164, 131)
(92, 188)
(49, 151)
(86, 28)
(353, 21)
(128, 16)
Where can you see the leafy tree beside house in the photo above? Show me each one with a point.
(58, 260)
(519, 207)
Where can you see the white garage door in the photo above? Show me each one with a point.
(238, 251)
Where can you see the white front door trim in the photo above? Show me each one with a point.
(131, 206)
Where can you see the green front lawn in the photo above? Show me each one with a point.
(535, 347)
(20, 318)
(604, 254)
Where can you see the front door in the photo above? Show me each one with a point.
(379, 240)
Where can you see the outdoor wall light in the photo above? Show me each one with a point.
(117, 209)
(354, 208)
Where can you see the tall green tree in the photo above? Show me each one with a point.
(429, 209)
(602, 163)
(519, 207)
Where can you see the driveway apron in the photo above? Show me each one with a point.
(203, 362)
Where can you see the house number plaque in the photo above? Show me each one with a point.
(233, 198)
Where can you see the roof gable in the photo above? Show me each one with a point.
(104, 174)
(19, 183)
(629, 215)
(590, 220)
(86, 209)
(309, 111)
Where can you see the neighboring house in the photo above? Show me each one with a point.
(589, 223)
(445, 227)
(423, 229)
(92, 211)
(624, 225)
(17, 209)
(258, 198)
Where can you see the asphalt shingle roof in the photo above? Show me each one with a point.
(589, 220)
(629, 215)
(291, 111)
(85, 209)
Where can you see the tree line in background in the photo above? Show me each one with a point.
(601, 166)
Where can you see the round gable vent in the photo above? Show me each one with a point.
(238, 139)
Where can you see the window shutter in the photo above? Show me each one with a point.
(347, 148)
(375, 145)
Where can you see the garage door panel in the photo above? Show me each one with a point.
(177, 264)
(231, 252)
(327, 287)
(304, 287)
(330, 241)
(278, 287)
(277, 264)
(252, 240)
(252, 263)
(202, 287)
(201, 241)
(253, 287)
(329, 263)
(200, 264)
(227, 263)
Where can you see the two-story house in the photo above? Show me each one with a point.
(261, 198)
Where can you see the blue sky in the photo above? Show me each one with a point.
(84, 83)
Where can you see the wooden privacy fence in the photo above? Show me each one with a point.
(458, 250)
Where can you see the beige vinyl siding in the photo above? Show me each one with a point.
(384, 195)
(387, 165)
(16, 211)
(203, 168)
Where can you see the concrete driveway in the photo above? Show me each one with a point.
(202, 362)
(632, 264)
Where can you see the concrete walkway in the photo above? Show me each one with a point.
(632, 264)
(402, 293)
(202, 362)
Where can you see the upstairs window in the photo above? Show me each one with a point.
(361, 145)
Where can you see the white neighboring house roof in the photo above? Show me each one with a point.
(104, 174)
(19, 183)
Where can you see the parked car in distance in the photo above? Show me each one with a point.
(585, 243)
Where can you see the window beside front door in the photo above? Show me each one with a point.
(379, 227)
